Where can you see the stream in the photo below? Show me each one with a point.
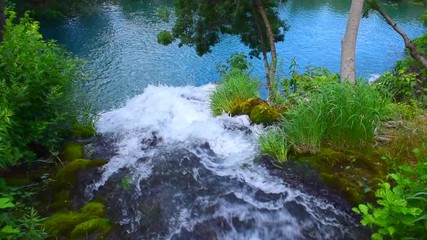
(176, 172)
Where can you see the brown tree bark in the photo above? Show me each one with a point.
(348, 44)
(272, 69)
(2, 20)
(408, 43)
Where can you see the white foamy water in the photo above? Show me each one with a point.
(180, 115)
(163, 118)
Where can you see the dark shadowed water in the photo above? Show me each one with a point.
(119, 43)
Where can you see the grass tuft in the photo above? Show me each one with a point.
(236, 87)
(341, 115)
(274, 143)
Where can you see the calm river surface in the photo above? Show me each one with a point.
(119, 44)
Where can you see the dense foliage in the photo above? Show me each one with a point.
(401, 210)
(36, 92)
(201, 23)
(408, 81)
(17, 219)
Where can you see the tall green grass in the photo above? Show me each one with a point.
(274, 143)
(339, 114)
(236, 87)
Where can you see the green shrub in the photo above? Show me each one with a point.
(301, 84)
(407, 82)
(274, 142)
(18, 220)
(339, 114)
(236, 87)
(36, 91)
(401, 212)
(164, 37)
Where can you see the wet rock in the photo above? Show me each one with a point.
(151, 142)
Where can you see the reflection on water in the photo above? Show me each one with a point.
(119, 43)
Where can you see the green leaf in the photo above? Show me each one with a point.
(377, 236)
(6, 203)
(10, 230)
(424, 217)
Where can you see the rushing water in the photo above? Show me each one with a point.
(189, 175)
(177, 172)
(119, 43)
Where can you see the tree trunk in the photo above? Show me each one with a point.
(348, 44)
(2, 20)
(272, 69)
(263, 47)
(408, 44)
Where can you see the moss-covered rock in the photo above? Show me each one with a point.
(353, 174)
(73, 223)
(246, 107)
(61, 201)
(264, 114)
(350, 190)
(257, 109)
(93, 209)
(83, 131)
(63, 222)
(66, 176)
(98, 226)
(71, 152)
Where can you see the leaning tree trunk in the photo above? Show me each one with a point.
(271, 87)
(263, 47)
(408, 44)
(2, 20)
(348, 44)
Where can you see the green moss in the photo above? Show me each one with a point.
(63, 222)
(353, 193)
(245, 107)
(88, 219)
(17, 182)
(61, 201)
(330, 158)
(258, 111)
(83, 131)
(101, 225)
(71, 152)
(264, 113)
(66, 176)
(94, 209)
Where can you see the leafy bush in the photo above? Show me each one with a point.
(164, 37)
(401, 212)
(339, 114)
(236, 87)
(408, 81)
(300, 84)
(36, 91)
(17, 220)
(274, 142)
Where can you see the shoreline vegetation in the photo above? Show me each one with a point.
(367, 141)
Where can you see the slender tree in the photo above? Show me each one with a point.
(373, 4)
(200, 23)
(348, 44)
(2, 20)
